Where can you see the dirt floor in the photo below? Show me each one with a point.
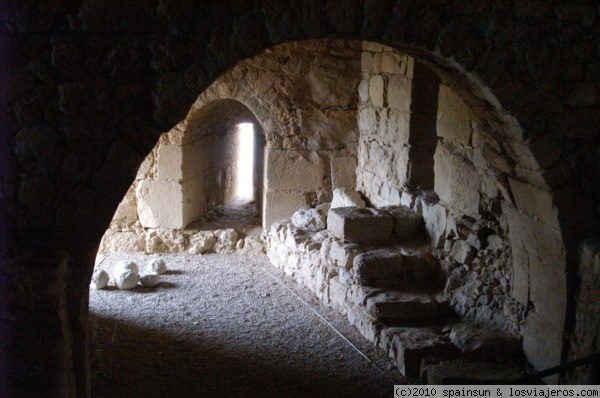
(225, 326)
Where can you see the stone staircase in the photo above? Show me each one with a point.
(375, 265)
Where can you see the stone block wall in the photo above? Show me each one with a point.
(302, 97)
(384, 123)
(492, 220)
(418, 134)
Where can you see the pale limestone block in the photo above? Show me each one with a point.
(115, 241)
(310, 219)
(342, 254)
(391, 62)
(169, 162)
(354, 224)
(401, 167)
(281, 205)
(226, 240)
(343, 172)
(398, 126)
(435, 223)
(197, 157)
(166, 241)
(399, 93)
(287, 169)
(194, 193)
(376, 90)
(202, 242)
(337, 293)
(366, 62)
(393, 267)
(456, 181)
(363, 91)
(377, 63)
(453, 117)
(367, 120)
(535, 202)
(159, 204)
(406, 222)
(343, 197)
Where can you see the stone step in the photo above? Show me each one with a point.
(398, 268)
(401, 308)
(353, 224)
(407, 222)
(410, 346)
(464, 372)
(481, 342)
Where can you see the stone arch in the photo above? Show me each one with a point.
(504, 53)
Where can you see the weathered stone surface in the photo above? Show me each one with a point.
(166, 241)
(123, 266)
(157, 265)
(226, 240)
(353, 224)
(170, 162)
(343, 197)
(453, 117)
(202, 242)
(126, 279)
(151, 279)
(343, 172)
(294, 170)
(115, 241)
(376, 93)
(393, 267)
(535, 202)
(435, 223)
(159, 204)
(100, 279)
(462, 252)
(456, 181)
(342, 254)
(406, 222)
(410, 346)
(485, 342)
(399, 93)
(281, 205)
(400, 307)
(310, 219)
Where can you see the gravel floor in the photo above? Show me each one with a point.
(222, 326)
